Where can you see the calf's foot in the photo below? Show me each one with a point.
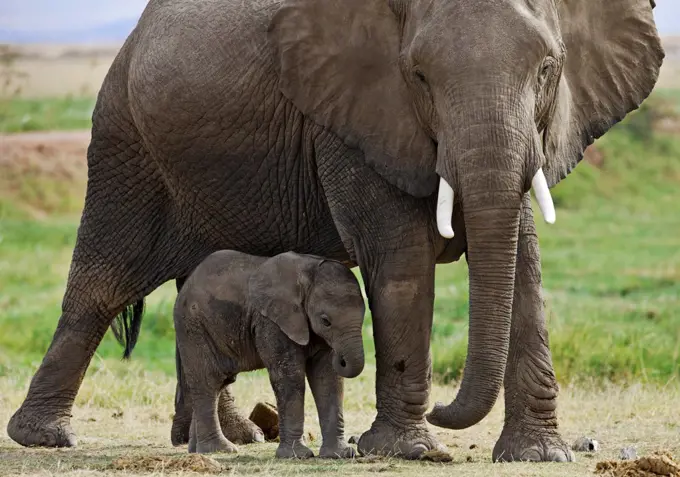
(33, 428)
(337, 450)
(218, 444)
(296, 450)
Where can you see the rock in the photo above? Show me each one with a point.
(585, 444)
(628, 453)
(266, 417)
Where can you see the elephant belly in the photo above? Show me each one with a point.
(235, 154)
(261, 201)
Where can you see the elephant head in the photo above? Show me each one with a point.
(488, 98)
(302, 291)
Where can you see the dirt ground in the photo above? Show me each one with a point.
(45, 172)
(123, 420)
(59, 153)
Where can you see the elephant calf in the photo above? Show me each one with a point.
(293, 314)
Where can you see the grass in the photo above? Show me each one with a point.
(611, 269)
(22, 115)
(134, 422)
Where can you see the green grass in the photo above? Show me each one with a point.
(21, 114)
(611, 269)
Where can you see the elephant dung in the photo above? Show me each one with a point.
(266, 417)
(436, 456)
(659, 463)
(189, 462)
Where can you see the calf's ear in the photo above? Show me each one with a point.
(276, 291)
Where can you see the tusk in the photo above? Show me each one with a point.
(540, 187)
(445, 209)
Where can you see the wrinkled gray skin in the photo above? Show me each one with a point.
(323, 127)
(238, 312)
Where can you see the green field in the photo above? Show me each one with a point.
(22, 115)
(611, 267)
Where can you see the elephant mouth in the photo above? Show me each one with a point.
(445, 201)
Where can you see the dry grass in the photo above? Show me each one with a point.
(123, 417)
(78, 70)
(670, 73)
(59, 70)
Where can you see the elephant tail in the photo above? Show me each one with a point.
(126, 326)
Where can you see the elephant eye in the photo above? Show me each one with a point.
(546, 71)
(325, 321)
(420, 75)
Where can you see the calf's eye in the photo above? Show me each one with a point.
(325, 321)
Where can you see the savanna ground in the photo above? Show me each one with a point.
(611, 269)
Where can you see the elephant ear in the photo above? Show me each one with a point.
(338, 63)
(613, 57)
(276, 290)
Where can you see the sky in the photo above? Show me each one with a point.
(41, 15)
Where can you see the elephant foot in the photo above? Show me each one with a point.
(297, 450)
(179, 434)
(410, 443)
(31, 429)
(340, 450)
(236, 428)
(218, 444)
(241, 430)
(531, 446)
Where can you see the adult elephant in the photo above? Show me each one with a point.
(325, 127)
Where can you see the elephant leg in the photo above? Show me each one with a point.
(235, 426)
(181, 421)
(327, 389)
(530, 430)
(123, 252)
(94, 296)
(400, 287)
(390, 235)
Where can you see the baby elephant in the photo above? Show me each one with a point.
(296, 315)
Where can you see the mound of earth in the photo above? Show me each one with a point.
(60, 155)
(44, 172)
(658, 464)
(161, 464)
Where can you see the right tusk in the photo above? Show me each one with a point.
(445, 209)
(540, 187)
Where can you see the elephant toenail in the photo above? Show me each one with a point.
(531, 455)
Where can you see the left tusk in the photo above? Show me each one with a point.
(445, 209)
(540, 187)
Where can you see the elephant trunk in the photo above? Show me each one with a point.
(348, 356)
(488, 163)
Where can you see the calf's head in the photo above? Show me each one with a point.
(299, 292)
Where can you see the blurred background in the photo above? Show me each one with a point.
(611, 264)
